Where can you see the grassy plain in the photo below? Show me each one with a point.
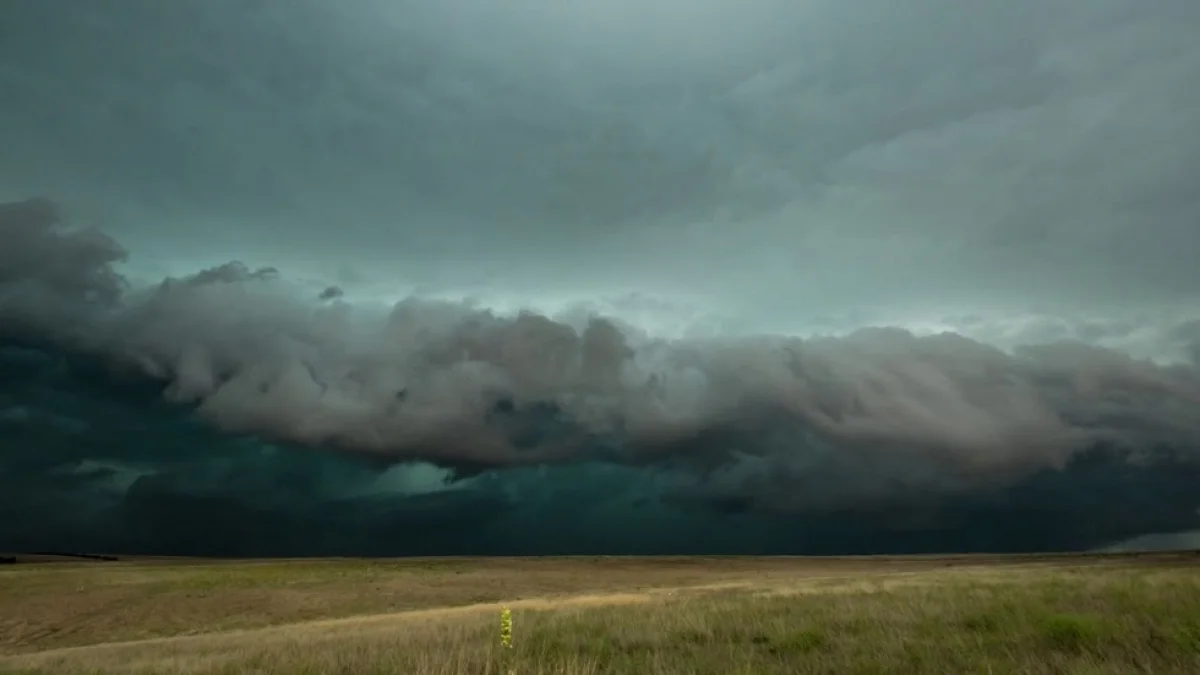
(1086, 615)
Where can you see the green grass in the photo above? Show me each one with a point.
(1087, 625)
(997, 619)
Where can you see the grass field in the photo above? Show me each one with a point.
(988, 615)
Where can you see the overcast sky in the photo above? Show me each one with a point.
(770, 158)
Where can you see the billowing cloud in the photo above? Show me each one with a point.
(874, 421)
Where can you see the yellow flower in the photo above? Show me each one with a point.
(506, 628)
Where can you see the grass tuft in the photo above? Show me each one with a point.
(1074, 633)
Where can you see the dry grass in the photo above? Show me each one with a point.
(43, 606)
(1089, 616)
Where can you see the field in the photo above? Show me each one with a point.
(847, 616)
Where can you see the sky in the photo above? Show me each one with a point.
(786, 264)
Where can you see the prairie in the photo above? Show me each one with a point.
(1094, 614)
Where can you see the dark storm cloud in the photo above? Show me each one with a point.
(988, 207)
(152, 387)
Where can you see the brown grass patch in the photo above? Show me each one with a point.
(44, 606)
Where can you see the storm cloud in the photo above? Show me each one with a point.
(405, 277)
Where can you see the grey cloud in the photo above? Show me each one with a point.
(567, 249)
(455, 385)
(1007, 147)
